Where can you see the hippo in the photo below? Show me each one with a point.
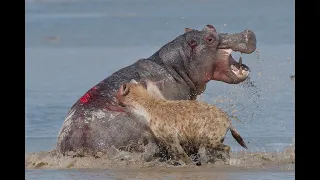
(97, 122)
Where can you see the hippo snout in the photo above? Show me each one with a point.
(244, 42)
(251, 41)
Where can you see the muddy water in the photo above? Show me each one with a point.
(163, 173)
(72, 45)
(124, 165)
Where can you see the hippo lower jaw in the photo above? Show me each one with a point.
(228, 70)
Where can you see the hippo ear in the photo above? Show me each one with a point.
(209, 28)
(187, 30)
(133, 81)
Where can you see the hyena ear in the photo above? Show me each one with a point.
(143, 83)
(158, 84)
(153, 88)
(124, 89)
(133, 81)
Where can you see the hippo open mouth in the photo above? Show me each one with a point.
(239, 69)
(226, 68)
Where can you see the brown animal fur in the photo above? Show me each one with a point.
(182, 126)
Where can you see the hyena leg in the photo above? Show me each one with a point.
(224, 152)
(178, 154)
(219, 151)
(203, 155)
(150, 150)
(224, 147)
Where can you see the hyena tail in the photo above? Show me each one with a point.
(237, 137)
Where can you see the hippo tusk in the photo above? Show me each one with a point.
(240, 63)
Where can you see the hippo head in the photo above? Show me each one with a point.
(210, 55)
(206, 55)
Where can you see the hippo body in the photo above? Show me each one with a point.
(96, 121)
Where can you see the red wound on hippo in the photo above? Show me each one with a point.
(192, 43)
(85, 98)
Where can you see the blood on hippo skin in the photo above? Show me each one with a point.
(86, 97)
(89, 96)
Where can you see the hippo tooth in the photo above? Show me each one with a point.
(240, 63)
(228, 51)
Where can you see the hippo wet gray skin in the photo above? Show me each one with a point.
(96, 121)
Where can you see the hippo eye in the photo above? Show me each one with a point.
(210, 39)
